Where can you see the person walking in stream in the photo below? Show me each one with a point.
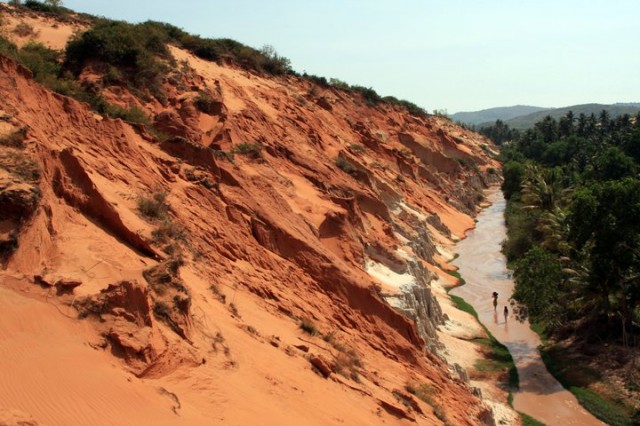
(506, 313)
(495, 300)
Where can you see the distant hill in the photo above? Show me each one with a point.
(523, 117)
(493, 114)
(527, 121)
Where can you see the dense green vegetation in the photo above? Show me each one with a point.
(499, 132)
(123, 53)
(574, 208)
(573, 217)
(576, 377)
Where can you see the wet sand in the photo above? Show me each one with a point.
(483, 267)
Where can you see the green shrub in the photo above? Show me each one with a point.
(309, 327)
(23, 30)
(357, 148)
(132, 115)
(13, 140)
(320, 81)
(54, 8)
(521, 225)
(265, 60)
(204, 102)
(344, 165)
(223, 155)
(132, 49)
(427, 393)
(253, 150)
(42, 61)
(21, 165)
(339, 84)
(370, 95)
(413, 108)
(270, 61)
(48, 6)
(7, 48)
(154, 207)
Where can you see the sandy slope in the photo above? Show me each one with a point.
(50, 370)
(39, 29)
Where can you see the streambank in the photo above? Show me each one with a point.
(484, 269)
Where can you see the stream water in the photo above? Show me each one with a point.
(484, 269)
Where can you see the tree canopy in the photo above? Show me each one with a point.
(573, 221)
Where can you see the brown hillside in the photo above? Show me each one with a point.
(164, 279)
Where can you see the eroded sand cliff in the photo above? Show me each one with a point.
(280, 204)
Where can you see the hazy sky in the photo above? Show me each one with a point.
(458, 55)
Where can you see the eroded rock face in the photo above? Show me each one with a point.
(19, 191)
(171, 299)
(18, 202)
(171, 123)
(124, 311)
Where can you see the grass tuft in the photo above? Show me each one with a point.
(427, 393)
(251, 150)
(154, 207)
(529, 421)
(309, 327)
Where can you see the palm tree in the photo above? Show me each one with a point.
(543, 191)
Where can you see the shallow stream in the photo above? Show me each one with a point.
(484, 269)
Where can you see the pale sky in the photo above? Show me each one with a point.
(458, 55)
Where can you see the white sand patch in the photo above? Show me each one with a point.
(405, 255)
(403, 240)
(404, 206)
(444, 253)
(396, 302)
(460, 324)
(388, 277)
(503, 414)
